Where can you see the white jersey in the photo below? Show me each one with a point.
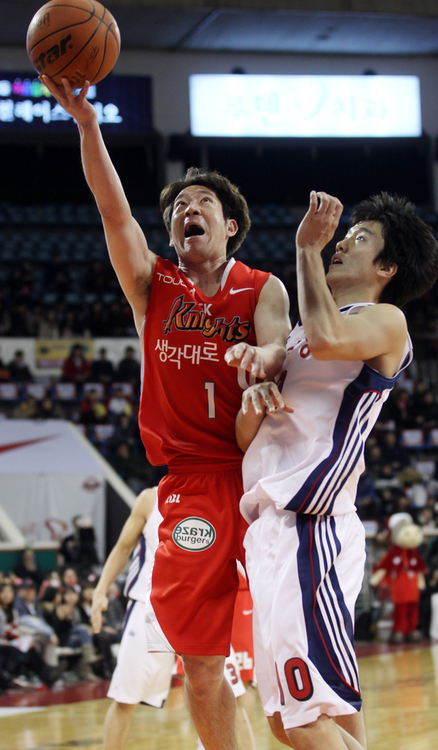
(310, 461)
(143, 558)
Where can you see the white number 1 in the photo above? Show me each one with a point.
(211, 405)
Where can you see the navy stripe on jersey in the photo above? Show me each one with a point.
(328, 622)
(319, 491)
(136, 565)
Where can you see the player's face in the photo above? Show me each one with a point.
(198, 224)
(353, 260)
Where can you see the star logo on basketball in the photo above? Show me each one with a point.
(194, 534)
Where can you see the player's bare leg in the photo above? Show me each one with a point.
(117, 725)
(354, 724)
(321, 733)
(211, 701)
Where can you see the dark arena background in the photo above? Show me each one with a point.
(334, 95)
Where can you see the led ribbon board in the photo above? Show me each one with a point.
(365, 106)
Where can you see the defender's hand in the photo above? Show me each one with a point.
(264, 397)
(248, 358)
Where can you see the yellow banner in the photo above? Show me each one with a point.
(53, 352)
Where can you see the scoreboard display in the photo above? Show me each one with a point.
(123, 105)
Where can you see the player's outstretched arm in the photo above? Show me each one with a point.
(272, 327)
(121, 552)
(377, 333)
(132, 260)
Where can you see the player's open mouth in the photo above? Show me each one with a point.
(193, 230)
(336, 261)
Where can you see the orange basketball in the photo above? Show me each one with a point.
(74, 39)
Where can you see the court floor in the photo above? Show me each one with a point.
(399, 688)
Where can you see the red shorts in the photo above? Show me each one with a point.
(241, 635)
(194, 578)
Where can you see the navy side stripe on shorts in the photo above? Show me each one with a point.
(328, 622)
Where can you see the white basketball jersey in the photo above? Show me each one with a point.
(310, 461)
(143, 558)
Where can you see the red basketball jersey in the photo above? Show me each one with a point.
(190, 396)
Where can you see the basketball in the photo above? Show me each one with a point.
(74, 39)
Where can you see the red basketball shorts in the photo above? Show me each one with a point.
(194, 578)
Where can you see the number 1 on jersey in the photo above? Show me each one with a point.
(211, 404)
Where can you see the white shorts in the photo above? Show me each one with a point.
(139, 676)
(305, 574)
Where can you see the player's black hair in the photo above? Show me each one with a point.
(234, 205)
(409, 243)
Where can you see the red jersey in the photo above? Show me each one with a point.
(190, 396)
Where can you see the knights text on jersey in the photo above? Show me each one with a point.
(310, 461)
(190, 396)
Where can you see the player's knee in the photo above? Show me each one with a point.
(204, 672)
(124, 708)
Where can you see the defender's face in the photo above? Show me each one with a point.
(355, 254)
(198, 222)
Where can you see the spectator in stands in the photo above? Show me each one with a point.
(76, 367)
(26, 409)
(393, 453)
(102, 369)
(98, 320)
(135, 470)
(18, 370)
(17, 652)
(49, 409)
(126, 430)
(31, 618)
(48, 325)
(119, 403)
(92, 409)
(367, 501)
(4, 372)
(61, 613)
(412, 484)
(70, 577)
(129, 369)
(79, 549)
(28, 568)
(424, 414)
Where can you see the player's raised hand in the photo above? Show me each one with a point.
(320, 222)
(264, 397)
(77, 105)
(247, 357)
(99, 604)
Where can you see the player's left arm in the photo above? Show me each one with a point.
(120, 553)
(376, 335)
(272, 327)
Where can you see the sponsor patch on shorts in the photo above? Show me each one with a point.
(194, 534)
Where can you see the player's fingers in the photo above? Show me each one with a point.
(83, 92)
(324, 202)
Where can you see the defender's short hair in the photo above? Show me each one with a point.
(409, 242)
(234, 205)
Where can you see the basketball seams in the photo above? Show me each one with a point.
(53, 33)
(108, 31)
(72, 59)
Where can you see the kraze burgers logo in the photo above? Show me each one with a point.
(185, 317)
(194, 534)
